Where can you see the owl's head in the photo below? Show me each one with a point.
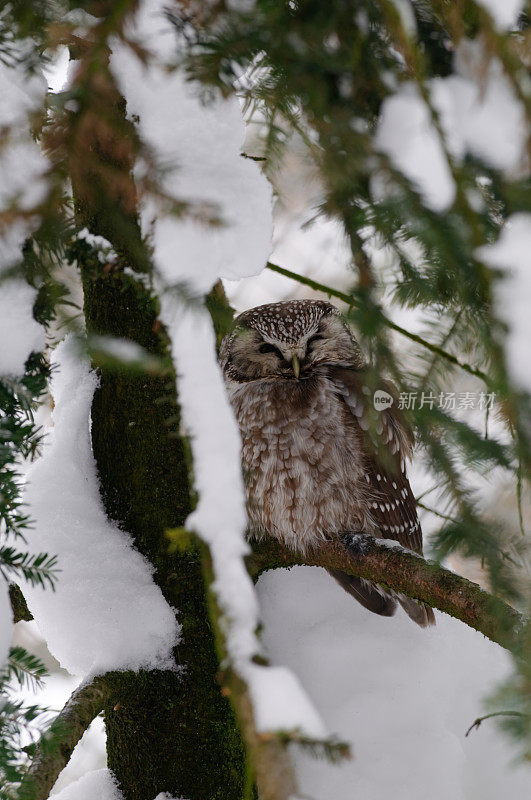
(289, 340)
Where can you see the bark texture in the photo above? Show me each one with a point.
(167, 731)
(57, 744)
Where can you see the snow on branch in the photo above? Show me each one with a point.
(479, 113)
(106, 611)
(99, 783)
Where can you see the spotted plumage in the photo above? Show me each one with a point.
(315, 466)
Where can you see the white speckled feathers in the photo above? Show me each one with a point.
(287, 321)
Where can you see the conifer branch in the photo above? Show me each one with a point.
(57, 743)
(477, 722)
(25, 668)
(394, 567)
(39, 569)
(332, 749)
(351, 301)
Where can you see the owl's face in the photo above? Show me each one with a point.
(289, 340)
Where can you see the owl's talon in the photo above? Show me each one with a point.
(358, 544)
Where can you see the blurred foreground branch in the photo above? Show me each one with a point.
(403, 571)
(351, 301)
(57, 743)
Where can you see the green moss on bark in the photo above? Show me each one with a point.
(167, 731)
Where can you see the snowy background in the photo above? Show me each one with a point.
(402, 696)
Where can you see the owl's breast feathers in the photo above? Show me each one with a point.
(311, 469)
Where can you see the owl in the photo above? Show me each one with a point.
(314, 468)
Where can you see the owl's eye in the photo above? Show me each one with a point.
(269, 348)
(313, 339)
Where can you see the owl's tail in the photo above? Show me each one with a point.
(375, 599)
(419, 612)
(370, 595)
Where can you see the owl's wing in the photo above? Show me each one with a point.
(393, 505)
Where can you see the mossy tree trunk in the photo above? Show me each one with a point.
(167, 731)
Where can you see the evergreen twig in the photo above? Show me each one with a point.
(332, 749)
(25, 668)
(38, 569)
(477, 722)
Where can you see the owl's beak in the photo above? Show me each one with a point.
(295, 363)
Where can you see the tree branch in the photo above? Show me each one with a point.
(477, 722)
(395, 568)
(57, 743)
(268, 756)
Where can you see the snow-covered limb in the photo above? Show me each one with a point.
(107, 612)
(200, 147)
(479, 114)
(279, 702)
(57, 744)
(405, 572)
